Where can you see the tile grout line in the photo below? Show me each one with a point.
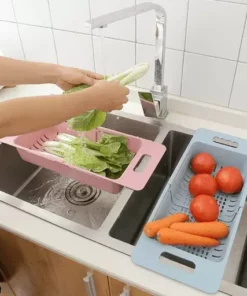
(185, 39)
(27, 24)
(209, 56)
(122, 40)
(17, 24)
(84, 33)
(237, 62)
(92, 40)
(231, 2)
(53, 35)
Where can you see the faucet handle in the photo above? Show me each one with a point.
(148, 104)
(153, 102)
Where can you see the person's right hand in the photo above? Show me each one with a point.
(108, 96)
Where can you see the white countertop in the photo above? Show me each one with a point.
(94, 255)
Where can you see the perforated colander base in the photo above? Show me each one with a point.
(180, 202)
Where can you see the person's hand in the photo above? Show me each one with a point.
(70, 77)
(108, 96)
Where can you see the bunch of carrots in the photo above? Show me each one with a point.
(176, 230)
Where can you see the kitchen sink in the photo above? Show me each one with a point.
(113, 220)
(59, 195)
(67, 198)
(132, 218)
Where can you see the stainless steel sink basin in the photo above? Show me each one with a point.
(130, 222)
(67, 198)
(115, 221)
(76, 202)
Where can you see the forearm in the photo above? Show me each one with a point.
(24, 115)
(14, 72)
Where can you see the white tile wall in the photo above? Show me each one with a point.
(208, 79)
(33, 40)
(215, 28)
(173, 71)
(173, 68)
(120, 55)
(145, 54)
(33, 12)
(124, 29)
(70, 15)
(243, 53)
(176, 23)
(74, 49)
(239, 93)
(6, 11)
(206, 40)
(10, 43)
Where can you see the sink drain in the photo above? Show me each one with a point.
(81, 194)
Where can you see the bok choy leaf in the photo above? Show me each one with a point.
(108, 157)
(95, 118)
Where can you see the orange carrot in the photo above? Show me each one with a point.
(215, 229)
(151, 228)
(170, 236)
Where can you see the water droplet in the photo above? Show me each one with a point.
(71, 213)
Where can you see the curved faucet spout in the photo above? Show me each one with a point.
(156, 106)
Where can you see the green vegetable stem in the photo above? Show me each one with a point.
(93, 119)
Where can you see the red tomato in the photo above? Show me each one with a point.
(202, 184)
(203, 163)
(229, 180)
(204, 208)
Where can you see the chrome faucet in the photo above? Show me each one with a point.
(154, 102)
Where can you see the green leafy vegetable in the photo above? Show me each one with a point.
(95, 118)
(85, 158)
(110, 149)
(58, 149)
(87, 121)
(131, 75)
(108, 157)
(146, 96)
(108, 139)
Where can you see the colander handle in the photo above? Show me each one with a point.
(136, 180)
(217, 139)
(148, 252)
(181, 266)
(9, 140)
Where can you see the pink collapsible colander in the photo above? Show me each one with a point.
(29, 146)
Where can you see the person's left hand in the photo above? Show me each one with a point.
(70, 77)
